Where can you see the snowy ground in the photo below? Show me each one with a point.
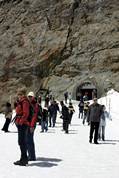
(61, 155)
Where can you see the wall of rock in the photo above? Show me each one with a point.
(58, 44)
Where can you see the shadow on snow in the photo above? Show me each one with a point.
(45, 162)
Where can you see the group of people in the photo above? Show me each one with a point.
(67, 96)
(67, 113)
(29, 112)
(95, 115)
(83, 110)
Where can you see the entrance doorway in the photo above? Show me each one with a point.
(86, 91)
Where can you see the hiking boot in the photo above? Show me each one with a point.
(96, 143)
(90, 141)
(21, 163)
(103, 138)
(7, 131)
(66, 132)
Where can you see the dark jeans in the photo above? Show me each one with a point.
(94, 126)
(66, 126)
(84, 117)
(6, 125)
(70, 117)
(80, 114)
(52, 120)
(66, 100)
(101, 133)
(22, 135)
(44, 126)
(30, 145)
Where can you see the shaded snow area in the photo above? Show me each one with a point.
(61, 155)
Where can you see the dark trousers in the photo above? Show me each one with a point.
(44, 126)
(94, 126)
(70, 117)
(65, 126)
(52, 120)
(30, 145)
(101, 132)
(6, 125)
(84, 117)
(80, 114)
(22, 135)
(66, 100)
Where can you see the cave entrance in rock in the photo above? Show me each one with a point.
(86, 91)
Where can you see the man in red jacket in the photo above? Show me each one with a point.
(22, 123)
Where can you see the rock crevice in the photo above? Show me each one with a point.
(57, 44)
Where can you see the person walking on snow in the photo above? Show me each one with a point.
(104, 116)
(70, 97)
(52, 109)
(33, 116)
(71, 112)
(81, 108)
(44, 119)
(86, 107)
(65, 117)
(22, 123)
(66, 97)
(94, 113)
(8, 117)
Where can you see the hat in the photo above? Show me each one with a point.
(31, 93)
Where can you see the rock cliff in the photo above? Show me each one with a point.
(58, 44)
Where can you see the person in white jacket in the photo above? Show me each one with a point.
(104, 116)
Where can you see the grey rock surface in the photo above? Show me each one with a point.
(58, 44)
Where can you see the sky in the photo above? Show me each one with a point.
(61, 155)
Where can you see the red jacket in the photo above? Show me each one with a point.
(22, 112)
(35, 115)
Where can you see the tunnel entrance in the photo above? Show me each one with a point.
(86, 91)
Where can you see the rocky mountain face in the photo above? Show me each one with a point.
(58, 44)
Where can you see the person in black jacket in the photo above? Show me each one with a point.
(8, 117)
(81, 109)
(44, 119)
(65, 116)
(52, 109)
(94, 114)
(71, 111)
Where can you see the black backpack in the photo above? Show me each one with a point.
(31, 113)
(40, 114)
